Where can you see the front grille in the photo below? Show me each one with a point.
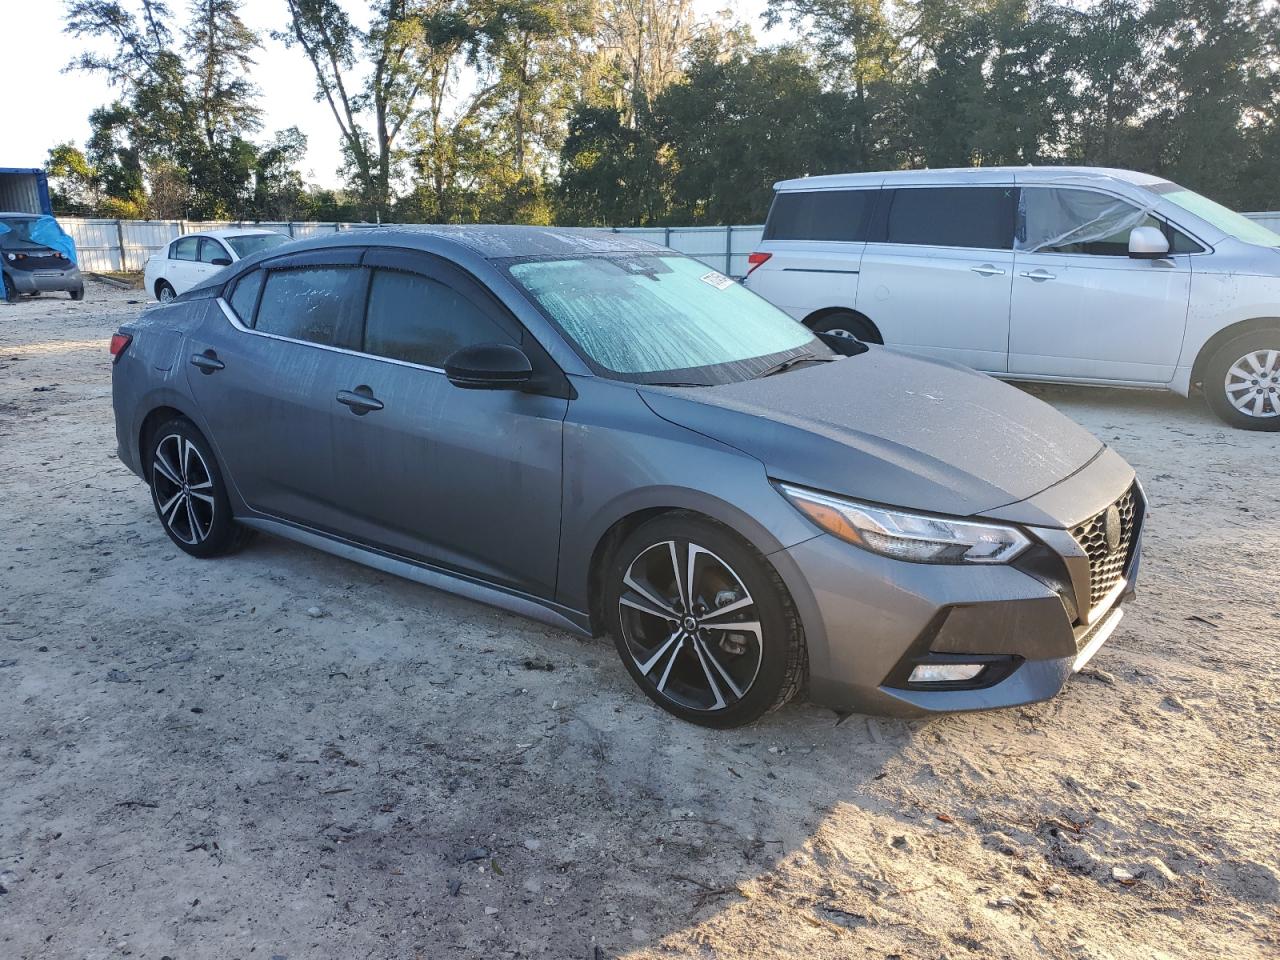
(1107, 565)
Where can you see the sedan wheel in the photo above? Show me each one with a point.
(164, 292)
(703, 623)
(1242, 381)
(187, 490)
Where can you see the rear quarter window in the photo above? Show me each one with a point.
(840, 215)
(244, 297)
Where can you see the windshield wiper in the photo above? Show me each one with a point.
(674, 383)
(785, 365)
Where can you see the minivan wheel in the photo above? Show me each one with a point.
(164, 292)
(188, 491)
(845, 323)
(1242, 381)
(703, 622)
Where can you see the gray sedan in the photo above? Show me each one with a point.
(612, 438)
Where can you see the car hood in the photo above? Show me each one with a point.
(891, 428)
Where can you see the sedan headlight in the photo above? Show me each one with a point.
(914, 537)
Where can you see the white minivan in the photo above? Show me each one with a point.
(1070, 274)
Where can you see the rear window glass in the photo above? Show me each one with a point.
(315, 304)
(245, 295)
(952, 217)
(820, 215)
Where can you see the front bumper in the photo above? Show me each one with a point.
(870, 621)
(45, 281)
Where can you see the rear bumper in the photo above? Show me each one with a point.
(45, 281)
(870, 621)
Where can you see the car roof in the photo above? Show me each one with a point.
(232, 232)
(20, 216)
(974, 175)
(488, 241)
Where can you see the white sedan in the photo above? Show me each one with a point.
(193, 258)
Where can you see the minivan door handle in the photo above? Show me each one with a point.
(1039, 275)
(988, 270)
(208, 362)
(361, 400)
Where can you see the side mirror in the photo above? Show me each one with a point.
(221, 261)
(1148, 243)
(489, 366)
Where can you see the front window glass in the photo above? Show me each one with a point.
(255, 243)
(211, 250)
(421, 320)
(645, 315)
(1059, 220)
(1225, 219)
(185, 249)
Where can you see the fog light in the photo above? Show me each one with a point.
(945, 672)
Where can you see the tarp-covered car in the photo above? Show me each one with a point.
(37, 256)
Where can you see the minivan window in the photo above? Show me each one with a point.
(245, 296)
(979, 217)
(840, 215)
(422, 320)
(316, 304)
(1224, 218)
(185, 248)
(1070, 220)
(640, 315)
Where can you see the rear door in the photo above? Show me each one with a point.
(1082, 308)
(263, 373)
(815, 240)
(936, 271)
(464, 479)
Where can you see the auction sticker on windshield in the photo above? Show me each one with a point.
(717, 280)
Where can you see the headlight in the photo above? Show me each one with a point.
(915, 537)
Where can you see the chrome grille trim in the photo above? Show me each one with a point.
(1106, 566)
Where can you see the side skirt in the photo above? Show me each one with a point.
(543, 611)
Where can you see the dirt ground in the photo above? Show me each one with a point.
(193, 766)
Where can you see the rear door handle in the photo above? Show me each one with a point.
(361, 400)
(208, 362)
(988, 270)
(1040, 275)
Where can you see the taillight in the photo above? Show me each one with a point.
(119, 341)
(755, 260)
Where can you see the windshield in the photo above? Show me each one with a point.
(20, 227)
(252, 243)
(1224, 218)
(649, 317)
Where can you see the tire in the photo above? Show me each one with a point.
(164, 292)
(77, 293)
(188, 491)
(10, 294)
(1242, 381)
(682, 658)
(845, 323)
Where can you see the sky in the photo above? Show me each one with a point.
(37, 51)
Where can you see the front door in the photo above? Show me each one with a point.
(464, 479)
(1081, 307)
(936, 272)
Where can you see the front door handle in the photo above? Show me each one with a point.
(988, 270)
(361, 400)
(1039, 275)
(208, 362)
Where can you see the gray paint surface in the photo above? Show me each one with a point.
(508, 496)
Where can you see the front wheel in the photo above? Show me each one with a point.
(188, 492)
(77, 293)
(10, 293)
(845, 324)
(703, 622)
(1242, 381)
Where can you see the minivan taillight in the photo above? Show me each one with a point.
(119, 343)
(755, 260)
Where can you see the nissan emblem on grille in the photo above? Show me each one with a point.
(1107, 539)
(1113, 528)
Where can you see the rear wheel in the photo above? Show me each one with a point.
(164, 292)
(845, 323)
(188, 491)
(703, 622)
(1242, 381)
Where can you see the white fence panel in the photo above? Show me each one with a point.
(1269, 220)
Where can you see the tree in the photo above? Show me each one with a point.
(642, 44)
(74, 184)
(611, 170)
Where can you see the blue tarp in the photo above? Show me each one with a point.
(46, 232)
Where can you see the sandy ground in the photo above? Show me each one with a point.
(193, 766)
